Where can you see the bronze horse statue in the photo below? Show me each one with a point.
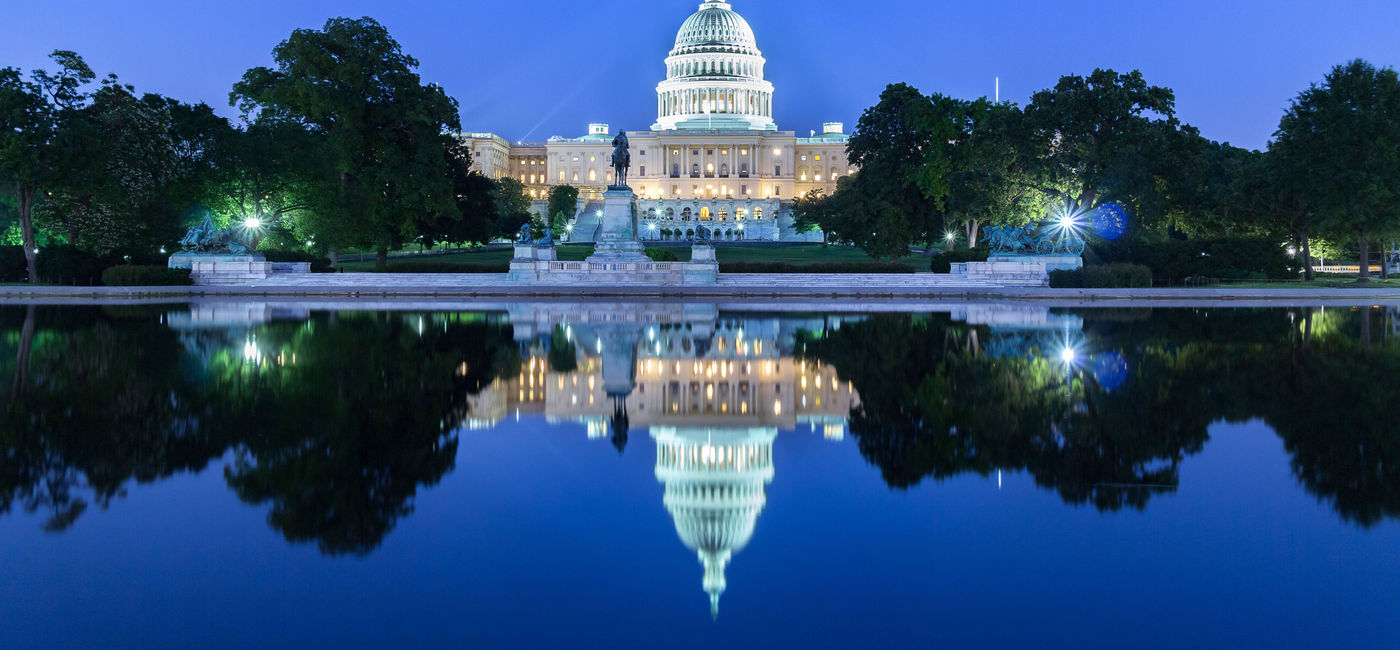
(621, 159)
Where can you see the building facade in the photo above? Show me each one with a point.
(713, 157)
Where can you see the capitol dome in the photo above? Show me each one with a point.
(715, 28)
(714, 75)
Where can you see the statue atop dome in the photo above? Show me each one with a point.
(621, 160)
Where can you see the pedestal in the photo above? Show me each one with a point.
(703, 267)
(226, 269)
(1062, 262)
(617, 240)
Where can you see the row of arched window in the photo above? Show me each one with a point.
(704, 214)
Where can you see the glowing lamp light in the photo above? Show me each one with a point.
(1067, 355)
(598, 213)
(950, 236)
(252, 223)
(651, 226)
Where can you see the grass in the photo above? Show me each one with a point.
(796, 254)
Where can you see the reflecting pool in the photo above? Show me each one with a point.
(681, 474)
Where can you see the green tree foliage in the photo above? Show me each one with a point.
(1341, 141)
(38, 146)
(1108, 137)
(383, 132)
(563, 202)
(512, 207)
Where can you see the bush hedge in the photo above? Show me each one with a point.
(943, 262)
(63, 264)
(319, 263)
(142, 275)
(824, 267)
(658, 254)
(12, 265)
(1103, 276)
(1230, 258)
(445, 267)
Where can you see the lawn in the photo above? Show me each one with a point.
(1321, 282)
(796, 254)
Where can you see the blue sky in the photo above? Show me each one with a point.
(529, 70)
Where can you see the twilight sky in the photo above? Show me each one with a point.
(536, 68)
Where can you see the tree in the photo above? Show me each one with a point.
(1106, 137)
(512, 206)
(113, 198)
(383, 130)
(34, 143)
(987, 184)
(901, 145)
(1343, 138)
(814, 212)
(563, 202)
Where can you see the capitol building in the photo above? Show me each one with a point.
(714, 156)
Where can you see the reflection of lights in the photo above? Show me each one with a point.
(250, 351)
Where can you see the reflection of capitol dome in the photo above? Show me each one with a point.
(714, 75)
(714, 482)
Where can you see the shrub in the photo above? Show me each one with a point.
(12, 265)
(1103, 276)
(319, 263)
(141, 275)
(943, 262)
(823, 267)
(446, 267)
(658, 254)
(1228, 257)
(63, 264)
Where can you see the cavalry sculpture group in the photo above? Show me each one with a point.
(208, 238)
(1033, 240)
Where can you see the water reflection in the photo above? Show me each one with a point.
(334, 420)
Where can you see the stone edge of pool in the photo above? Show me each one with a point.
(21, 293)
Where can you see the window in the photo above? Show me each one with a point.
(743, 152)
(592, 174)
(758, 213)
(644, 152)
(709, 152)
(694, 152)
(593, 158)
(675, 170)
(777, 191)
(724, 170)
(644, 170)
(777, 170)
(744, 190)
(804, 156)
(723, 214)
(609, 176)
(561, 176)
(704, 213)
(695, 170)
(817, 177)
(817, 157)
(744, 170)
(675, 190)
(724, 152)
(738, 214)
(575, 175)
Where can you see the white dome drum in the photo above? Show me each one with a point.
(714, 76)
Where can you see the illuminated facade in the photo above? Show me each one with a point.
(714, 156)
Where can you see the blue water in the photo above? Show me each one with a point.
(539, 535)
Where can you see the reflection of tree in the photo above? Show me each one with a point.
(98, 398)
(351, 418)
(335, 421)
(933, 403)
